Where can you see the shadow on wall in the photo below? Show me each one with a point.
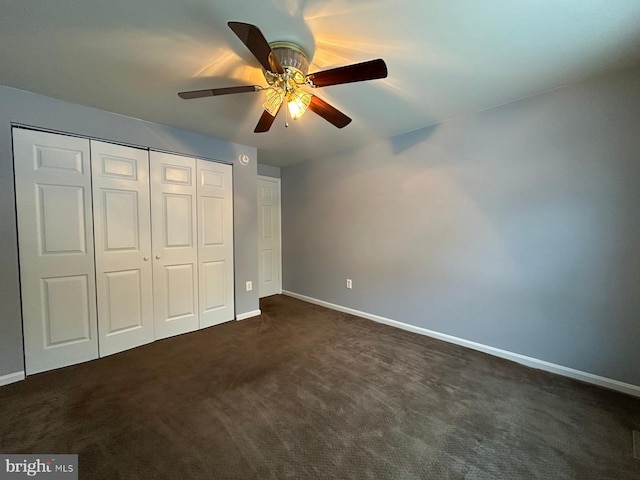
(406, 141)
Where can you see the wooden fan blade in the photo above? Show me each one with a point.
(329, 113)
(212, 92)
(252, 37)
(265, 122)
(358, 72)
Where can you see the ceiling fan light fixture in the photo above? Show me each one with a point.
(298, 101)
(275, 96)
(285, 66)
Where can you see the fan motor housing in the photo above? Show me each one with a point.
(292, 57)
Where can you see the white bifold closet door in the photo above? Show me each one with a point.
(163, 258)
(55, 231)
(175, 248)
(123, 246)
(215, 243)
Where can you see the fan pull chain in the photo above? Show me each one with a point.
(286, 95)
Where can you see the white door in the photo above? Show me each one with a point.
(270, 263)
(215, 242)
(122, 226)
(55, 237)
(174, 240)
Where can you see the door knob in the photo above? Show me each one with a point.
(157, 257)
(146, 259)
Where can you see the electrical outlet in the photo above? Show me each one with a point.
(249, 286)
(349, 283)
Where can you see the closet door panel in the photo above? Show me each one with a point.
(66, 322)
(124, 298)
(124, 274)
(177, 218)
(175, 252)
(55, 237)
(215, 242)
(180, 291)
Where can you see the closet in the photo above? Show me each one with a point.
(119, 246)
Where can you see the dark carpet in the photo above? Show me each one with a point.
(304, 392)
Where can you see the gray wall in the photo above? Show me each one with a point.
(517, 227)
(18, 107)
(268, 171)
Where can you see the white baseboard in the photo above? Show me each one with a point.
(627, 388)
(244, 316)
(11, 378)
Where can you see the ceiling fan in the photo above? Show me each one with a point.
(285, 67)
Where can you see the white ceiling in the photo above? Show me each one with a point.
(446, 58)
